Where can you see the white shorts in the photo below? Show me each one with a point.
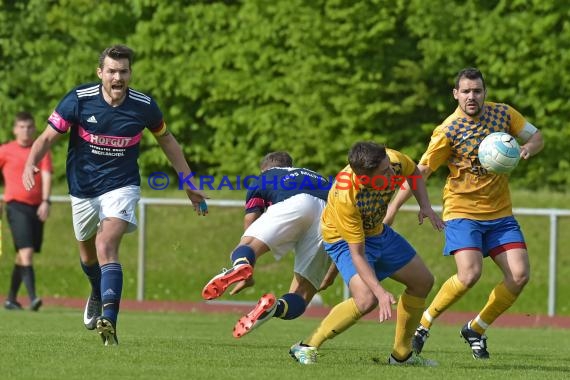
(295, 224)
(88, 212)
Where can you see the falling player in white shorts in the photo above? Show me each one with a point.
(283, 210)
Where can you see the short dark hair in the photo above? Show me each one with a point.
(116, 52)
(365, 156)
(276, 160)
(24, 116)
(469, 73)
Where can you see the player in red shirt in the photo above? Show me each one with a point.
(27, 210)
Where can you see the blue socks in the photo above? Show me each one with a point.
(93, 273)
(242, 254)
(111, 289)
(290, 306)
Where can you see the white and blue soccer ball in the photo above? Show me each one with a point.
(499, 153)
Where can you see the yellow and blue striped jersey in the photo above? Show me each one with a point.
(470, 191)
(354, 211)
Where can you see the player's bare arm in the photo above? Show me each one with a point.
(420, 193)
(534, 145)
(39, 149)
(43, 208)
(385, 298)
(249, 218)
(173, 152)
(331, 275)
(404, 193)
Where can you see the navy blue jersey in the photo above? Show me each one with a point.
(277, 184)
(104, 140)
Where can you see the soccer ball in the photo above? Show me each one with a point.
(499, 153)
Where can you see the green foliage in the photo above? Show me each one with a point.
(522, 47)
(46, 50)
(236, 79)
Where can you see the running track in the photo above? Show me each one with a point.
(313, 311)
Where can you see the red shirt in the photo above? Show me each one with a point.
(13, 157)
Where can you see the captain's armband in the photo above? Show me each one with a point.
(527, 132)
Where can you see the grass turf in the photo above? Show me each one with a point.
(53, 344)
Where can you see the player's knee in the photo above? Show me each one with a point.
(469, 278)
(365, 304)
(103, 247)
(106, 252)
(520, 280)
(421, 285)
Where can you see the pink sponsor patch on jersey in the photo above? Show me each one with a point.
(109, 141)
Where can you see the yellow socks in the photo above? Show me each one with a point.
(451, 291)
(410, 310)
(499, 301)
(340, 318)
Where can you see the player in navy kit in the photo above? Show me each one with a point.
(282, 213)
(105, 121)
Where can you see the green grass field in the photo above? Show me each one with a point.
(184, 251)
(53, 344)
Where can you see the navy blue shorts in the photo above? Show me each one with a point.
(386, 253)
(27, 229)
(487, 236)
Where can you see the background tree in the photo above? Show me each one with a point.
(236, 79)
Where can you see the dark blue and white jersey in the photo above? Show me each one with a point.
(104, 140)
(277, 184)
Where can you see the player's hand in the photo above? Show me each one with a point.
(525, 154)
(433, 217)
(28, 176)
(43, 211)
(385, 302)
(198, 199)
(241, 285)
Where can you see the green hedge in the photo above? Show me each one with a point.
(236, 79)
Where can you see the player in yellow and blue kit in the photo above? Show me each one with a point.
(365, 251)
(477, 208)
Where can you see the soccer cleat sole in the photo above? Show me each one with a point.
(247, 322)
(107, 332)
(218, 285)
